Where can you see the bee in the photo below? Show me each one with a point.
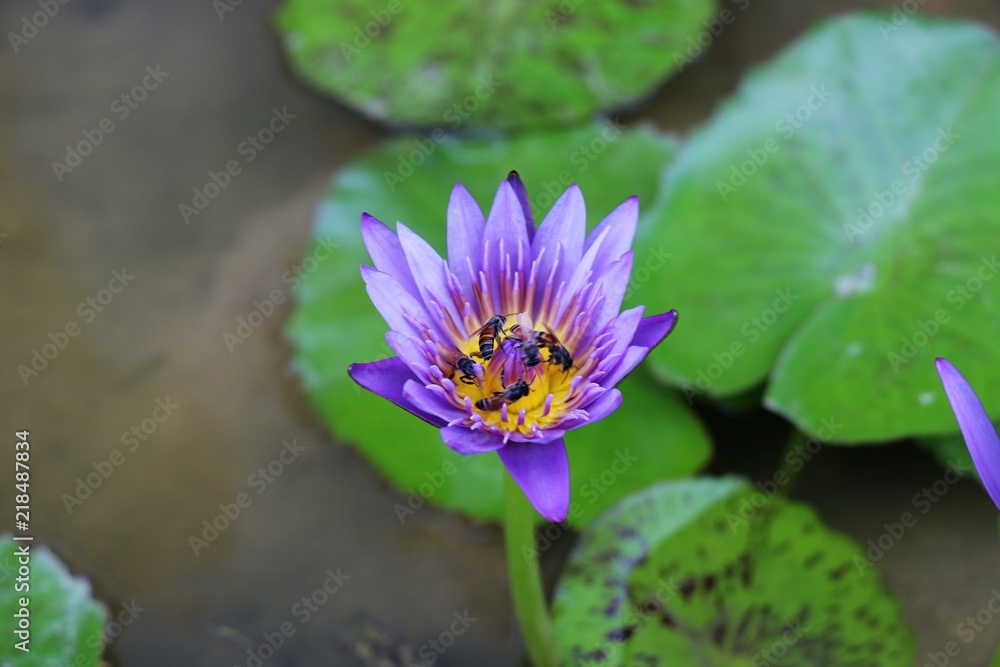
(467, 368)
(490, 334)
(558, 354)
(527, 342)
(518, 390)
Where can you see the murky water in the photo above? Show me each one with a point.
(102, 248)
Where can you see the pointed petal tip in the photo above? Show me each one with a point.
(977, 429)
(542, 473)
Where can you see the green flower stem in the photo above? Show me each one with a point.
(525, 576)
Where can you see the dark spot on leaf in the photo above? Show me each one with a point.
(719, 633)
(613, 607)
(621, 634)
(687, 588)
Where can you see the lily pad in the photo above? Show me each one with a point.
(712, 572)
(66, 623)
(334, 323)
(462, 62)
(833, 229)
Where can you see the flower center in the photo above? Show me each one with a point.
(517, 377)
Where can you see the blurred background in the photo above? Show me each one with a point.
(150, 355)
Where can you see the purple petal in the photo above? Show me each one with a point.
(611, 286)
(407, 348)
(629, 360)
(542, 472)
(548, 435)
(387, 377)
(430, 269)
(583, 272)
(522, 196)
(505, 226)
(466, 441)
(977, 429)
(602, 406)
(386, 252)
(565, 224)
(620, 224)
(623, 330)
(465, 235)
(430, 402)
(653, 329)
(392, 301)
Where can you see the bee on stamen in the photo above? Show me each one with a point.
(558, 354)
(467, 367)
(516, 391)
(489, 335)
(525, 335)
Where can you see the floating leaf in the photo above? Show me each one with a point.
(66, 623)
(713, 572)
(833, 228)
(461, 62)
(334, 323)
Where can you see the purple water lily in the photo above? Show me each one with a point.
(977, 429)
(518, 337)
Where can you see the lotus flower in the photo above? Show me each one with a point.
(518, 337)
(977, 429)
